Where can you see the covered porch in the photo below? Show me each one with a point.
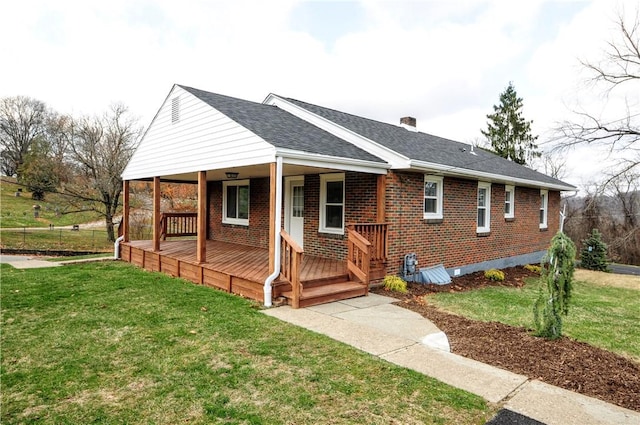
(258, 258)
(242, 270)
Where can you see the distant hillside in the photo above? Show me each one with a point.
(18, 211)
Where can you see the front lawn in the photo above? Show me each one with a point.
(602, 314)
(110, 343)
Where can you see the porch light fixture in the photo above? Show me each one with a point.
(232, 175)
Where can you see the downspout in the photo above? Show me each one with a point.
(116, 247)
(278, 224)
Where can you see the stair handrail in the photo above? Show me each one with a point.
(377, 234)
(358, 256)
(291, 261)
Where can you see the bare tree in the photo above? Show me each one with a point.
(625, 229)
(59, 138)
(620, 66)
(554, 165)
(101, 148)
(22, 120)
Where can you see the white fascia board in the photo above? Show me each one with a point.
(325, 161)
(423, 166)
(392, 157)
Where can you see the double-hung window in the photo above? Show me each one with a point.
(432, 197)
(509, 193)
(235, 202)
(484, 207)
(332, 203)
(544, 202)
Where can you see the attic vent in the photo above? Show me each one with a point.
(175, 110)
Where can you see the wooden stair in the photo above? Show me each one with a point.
(326, 290)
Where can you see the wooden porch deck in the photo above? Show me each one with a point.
(239, 269)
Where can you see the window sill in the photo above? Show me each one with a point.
(544, 229)
(330, 235)
(433, 220)
(236, 223)
(509, 219)
(483, 234)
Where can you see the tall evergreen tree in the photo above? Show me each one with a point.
(508, 131)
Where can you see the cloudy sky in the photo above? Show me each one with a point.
(443, 62)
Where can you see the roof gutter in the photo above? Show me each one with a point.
(311, 159)
(267, 289)
(445, 169)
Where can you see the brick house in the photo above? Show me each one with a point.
(331, 200)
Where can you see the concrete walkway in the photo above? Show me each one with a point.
(400, 336)
(36, 262)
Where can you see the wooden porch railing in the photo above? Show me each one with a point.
(290, 266)
(376, 234)
(178, 224)
(358, 256)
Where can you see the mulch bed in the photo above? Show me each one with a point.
(564, 362)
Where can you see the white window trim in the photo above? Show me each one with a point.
(439, 197)
(544, 206)
(225, 219)
(487, 227)
(324, 179)
(512, 190)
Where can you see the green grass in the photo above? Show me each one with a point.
(602, 316)
(110, 343)
(18, 211)
(56, 239)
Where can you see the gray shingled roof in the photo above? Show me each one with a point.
(428, 148)
(280, 128)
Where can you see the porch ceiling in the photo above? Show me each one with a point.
(251, 171)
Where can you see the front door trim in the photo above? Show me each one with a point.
(289, 183)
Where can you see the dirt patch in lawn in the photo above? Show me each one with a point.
(565, 363)
(608, 279)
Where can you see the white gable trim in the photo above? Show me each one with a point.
(423, 166)
(202, 138)
(392, 157)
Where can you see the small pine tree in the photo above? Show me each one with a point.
(557, 273)
(593, 255)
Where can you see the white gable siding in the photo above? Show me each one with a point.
(202, 139)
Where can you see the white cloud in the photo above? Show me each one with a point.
(443, 62)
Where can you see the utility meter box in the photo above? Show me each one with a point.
(410, 266)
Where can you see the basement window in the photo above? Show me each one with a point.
(235, 202)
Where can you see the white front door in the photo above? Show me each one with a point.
(294, 209)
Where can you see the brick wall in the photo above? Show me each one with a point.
(257, 233)
(360, 207)
(453, 241)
